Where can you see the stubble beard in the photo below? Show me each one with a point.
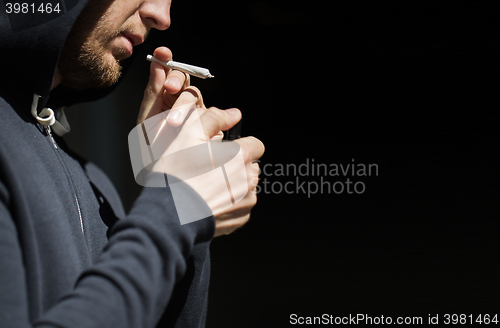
(87, 64)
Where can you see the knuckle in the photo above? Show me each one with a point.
(252, 148)
(258, 143)
(214, 111)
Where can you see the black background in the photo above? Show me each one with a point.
(411, 88)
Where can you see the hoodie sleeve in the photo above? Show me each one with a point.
(132, 281)
(13, 290)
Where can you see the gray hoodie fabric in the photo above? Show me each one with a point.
(69, 255)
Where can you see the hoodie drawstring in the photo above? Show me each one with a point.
(58, 121)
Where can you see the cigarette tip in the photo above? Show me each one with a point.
(150, 58)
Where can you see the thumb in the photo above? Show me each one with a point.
(215, 120)
(152, 102)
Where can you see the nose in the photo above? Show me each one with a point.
(156, 14)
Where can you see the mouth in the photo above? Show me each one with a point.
(131, 40)
(135, 39)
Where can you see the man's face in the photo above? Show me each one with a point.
(104, 35)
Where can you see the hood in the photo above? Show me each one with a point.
(30, 46)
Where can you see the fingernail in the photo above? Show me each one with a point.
(173, 82)
(174, 116)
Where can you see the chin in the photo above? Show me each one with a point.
(93, 67)
(109, 71)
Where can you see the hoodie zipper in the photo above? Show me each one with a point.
(79, 213)
(46, 122)
(47, 129)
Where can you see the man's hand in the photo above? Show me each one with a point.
(169, 90)
(164, 87)
(239, 214)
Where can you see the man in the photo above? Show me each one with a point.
(69, 256)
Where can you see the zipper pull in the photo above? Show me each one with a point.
(47, 129)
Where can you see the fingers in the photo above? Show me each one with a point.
(163, 54)
(178, 112)
(253, 148)
(253, 176)
(152, 102)
(235, 217)
(176, 81)
(215, 120)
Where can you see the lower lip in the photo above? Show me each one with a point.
(128, 45)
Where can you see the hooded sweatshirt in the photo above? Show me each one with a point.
(69, 256)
